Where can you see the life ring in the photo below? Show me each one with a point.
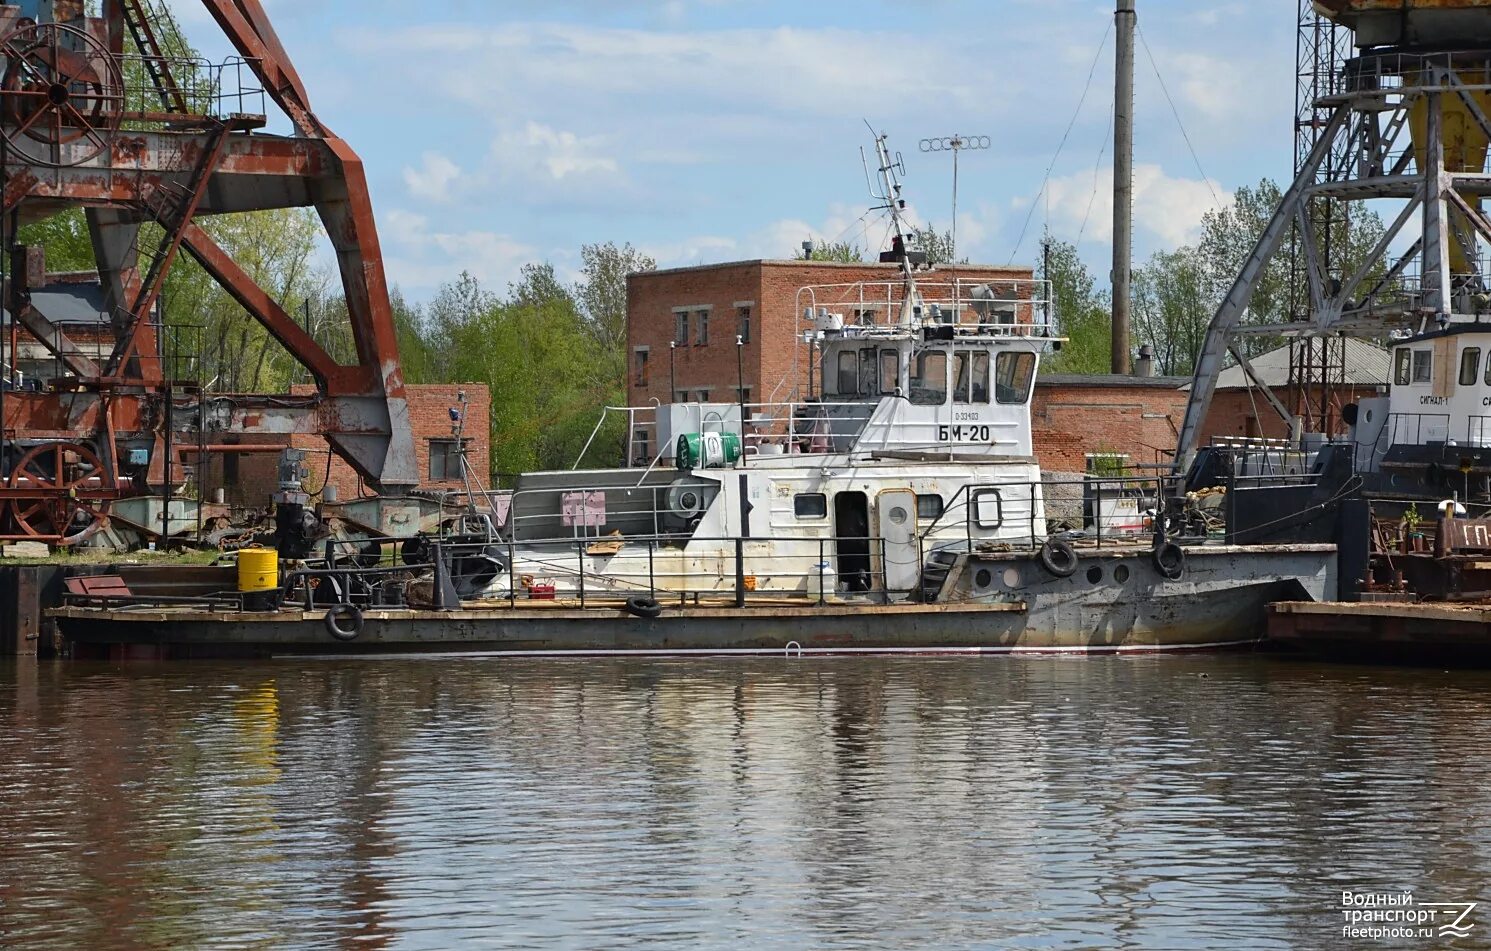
(343, 621)
(1059, 557)
(1170, 561)
(643, 607)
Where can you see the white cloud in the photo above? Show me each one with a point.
(433, 180)
(1169, 209)
(422, 257)
(554, 153)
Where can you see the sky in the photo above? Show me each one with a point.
(498, 133)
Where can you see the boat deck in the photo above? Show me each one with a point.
(1406, 631)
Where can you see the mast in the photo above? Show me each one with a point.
(900, 252)
(1123, 185)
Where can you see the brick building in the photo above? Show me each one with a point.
(703, 309)
(249, 479)
(1360, 370)
(1074, 417)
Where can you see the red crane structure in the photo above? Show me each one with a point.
(94, 115)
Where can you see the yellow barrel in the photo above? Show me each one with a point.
(258, 569)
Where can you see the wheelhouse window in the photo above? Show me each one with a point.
(971, 376)
(847, 378)
(1013, 375)
(1423, 366)
(810, 505)
(929, 378)
(890, 372)
(868, 374)
(1470, 365)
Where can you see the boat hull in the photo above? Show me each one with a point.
(1219, 602)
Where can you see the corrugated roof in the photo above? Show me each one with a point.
(1109, 379)
(1366, 365)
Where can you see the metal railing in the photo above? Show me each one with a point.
(994, 307)
(206, 89)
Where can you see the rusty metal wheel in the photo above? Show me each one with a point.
(62, 96)
(62, 491)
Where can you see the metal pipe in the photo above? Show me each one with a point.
(1123, 186)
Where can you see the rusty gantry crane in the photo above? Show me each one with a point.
(94, 115)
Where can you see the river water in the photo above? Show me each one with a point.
(1196, 802)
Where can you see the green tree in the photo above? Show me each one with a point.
(937, 244)
(841, 251)
(1172, 309)
(1082, 311)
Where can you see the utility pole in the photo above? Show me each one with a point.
(1123, 186)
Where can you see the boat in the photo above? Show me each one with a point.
(895, 504)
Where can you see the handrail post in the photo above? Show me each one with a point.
(651, 578)
(512, 576)
(740, 592)
(1032, 516)
(884, 573)
(820, 567)
(580, 553)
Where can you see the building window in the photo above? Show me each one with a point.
(1470, 365)
(445, 459)
(641, 367)
(743, 396)
(642, 447)
(971, 372)
(929, 381)
(1423, 364)
(680, 396)
(1013, 374)
(681, 328)
(702, 340)
(743, 322)
(810, 505)
(704, 395)
(929, 508)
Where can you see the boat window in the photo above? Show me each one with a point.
(1488, 371)
(868, 373)
(929, 382)
(971, 371)
(848, 376)
(1423, 366)
(810, 505)
(1013, 374)
(988, 507)
(929, 508)
(1400, 370)
(1470, 365)
(890, 372)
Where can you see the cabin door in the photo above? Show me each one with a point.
(895, 511)
(852, 540)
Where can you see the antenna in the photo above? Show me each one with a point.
(955, 144)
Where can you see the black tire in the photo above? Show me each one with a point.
(1170, 561)
(1059, 557)
(643, 608)
(343, 621)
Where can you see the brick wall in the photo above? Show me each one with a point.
(773, 360)
(1239, 413)
(1071, 417)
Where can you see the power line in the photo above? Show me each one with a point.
(1045, 182)
(1096, 171)
(1176, 113)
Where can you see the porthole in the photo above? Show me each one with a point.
(1012, 577)
(897, 515)
(1121, 574)
(983, 578)
(1095, 574)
